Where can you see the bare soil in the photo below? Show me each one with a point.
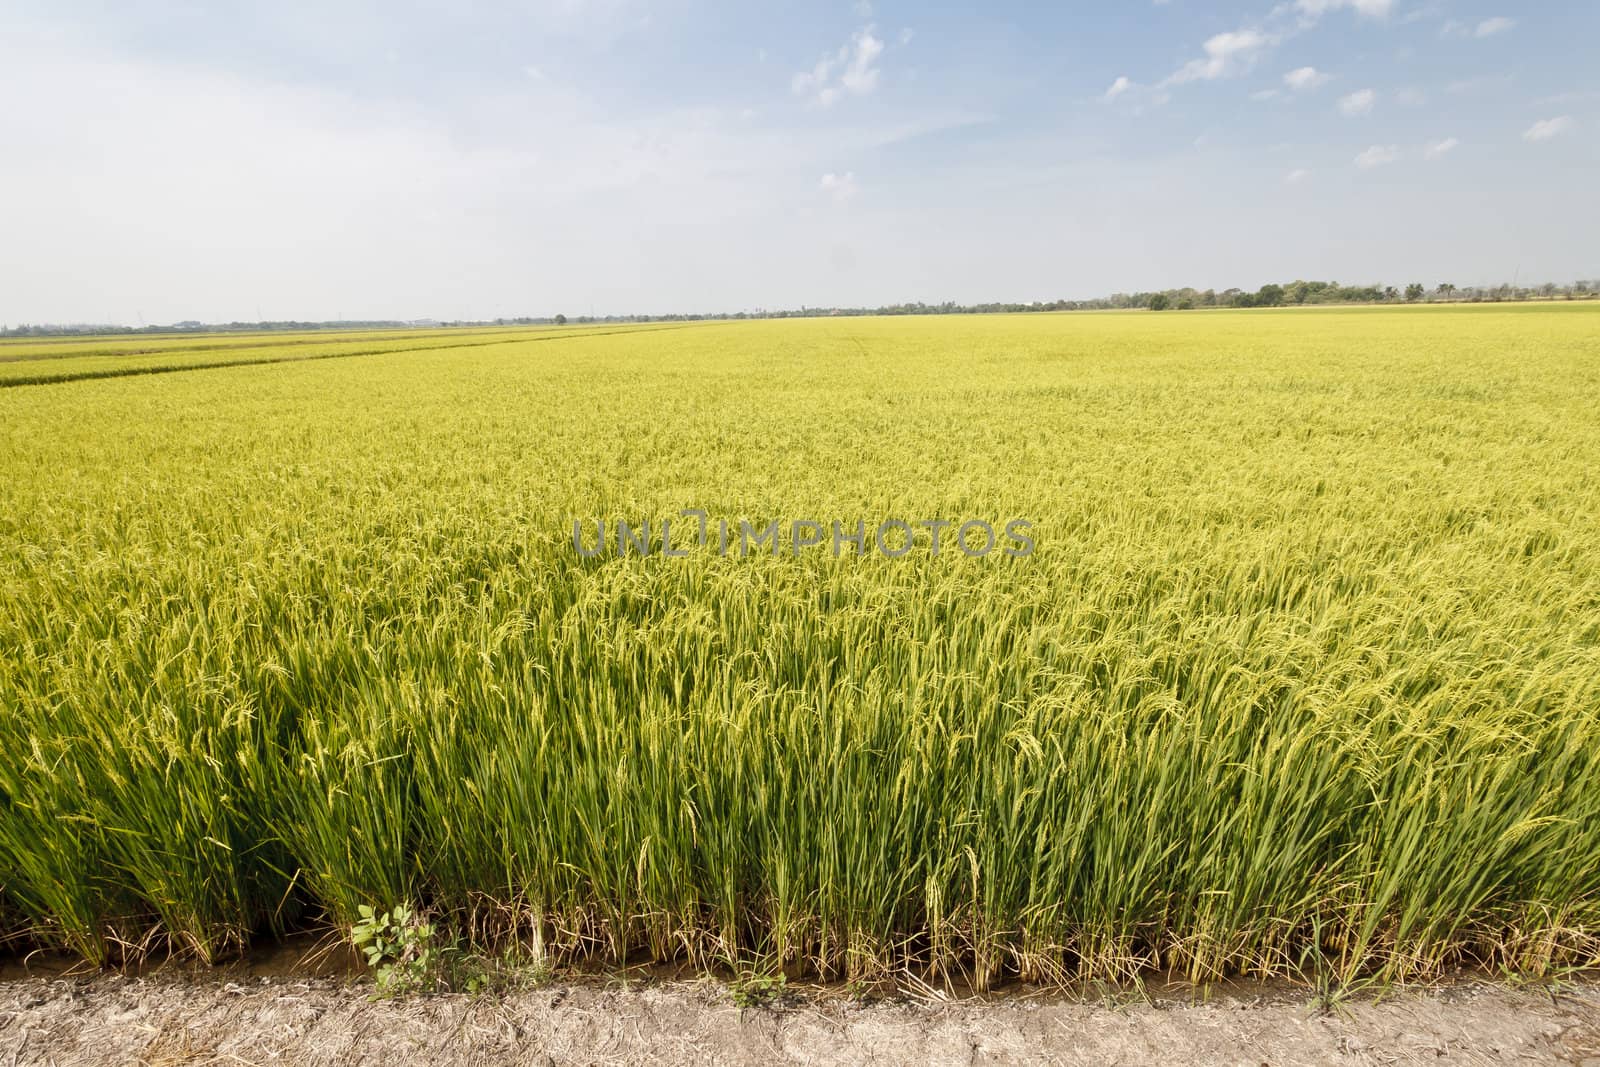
(253, 1018)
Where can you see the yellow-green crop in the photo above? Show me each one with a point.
(1304, 672)
(34, 362)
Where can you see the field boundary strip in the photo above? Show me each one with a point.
(131, 372)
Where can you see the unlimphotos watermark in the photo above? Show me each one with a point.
(893, 538)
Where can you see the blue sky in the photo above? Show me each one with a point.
(482, 158)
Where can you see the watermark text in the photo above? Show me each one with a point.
(694, 531)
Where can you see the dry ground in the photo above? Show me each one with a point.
(310, 1021)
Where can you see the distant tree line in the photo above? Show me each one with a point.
(1274, 295)
(1300, 293)
(1292, 294)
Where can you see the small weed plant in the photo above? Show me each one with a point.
(400, 948)
(758, 990)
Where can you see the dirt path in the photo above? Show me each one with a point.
(110, 1020)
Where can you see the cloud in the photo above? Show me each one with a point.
(861, 76)
(1366, 8)
(1487, 28)
(851, 70)
(377, 162)
(1545, 129)
(398, 187)
(1440, 148)
(841, 187)
(1377, 156)
(1225, 54)
(1357, 103)
(1134, 96)
(1296, 176)
(1303, 78)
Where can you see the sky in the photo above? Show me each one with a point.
(466, 159)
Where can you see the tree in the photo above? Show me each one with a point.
(1414, 293)
(1159, 302)
(561, 320)
(1270, 296)
(1186, 304)
(1446, 290)
(1391, 293)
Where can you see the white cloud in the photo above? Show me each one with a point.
(861, 76)
(1357, 103)
(1265, 94)
(1377, 156)
(1486, 28)
(397, 189)
(841, 187)
(1545, 129)
(853, 69)
(1441, 148)
(1135, 98)
(1230, 53)
(1296, 176)
(1225, 54)
(1304, 78)
(1366, 8)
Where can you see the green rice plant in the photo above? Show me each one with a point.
(1302, 680)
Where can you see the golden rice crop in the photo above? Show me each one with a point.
(1303, 675)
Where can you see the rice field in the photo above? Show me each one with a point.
(1301, 678)
(32, 361)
